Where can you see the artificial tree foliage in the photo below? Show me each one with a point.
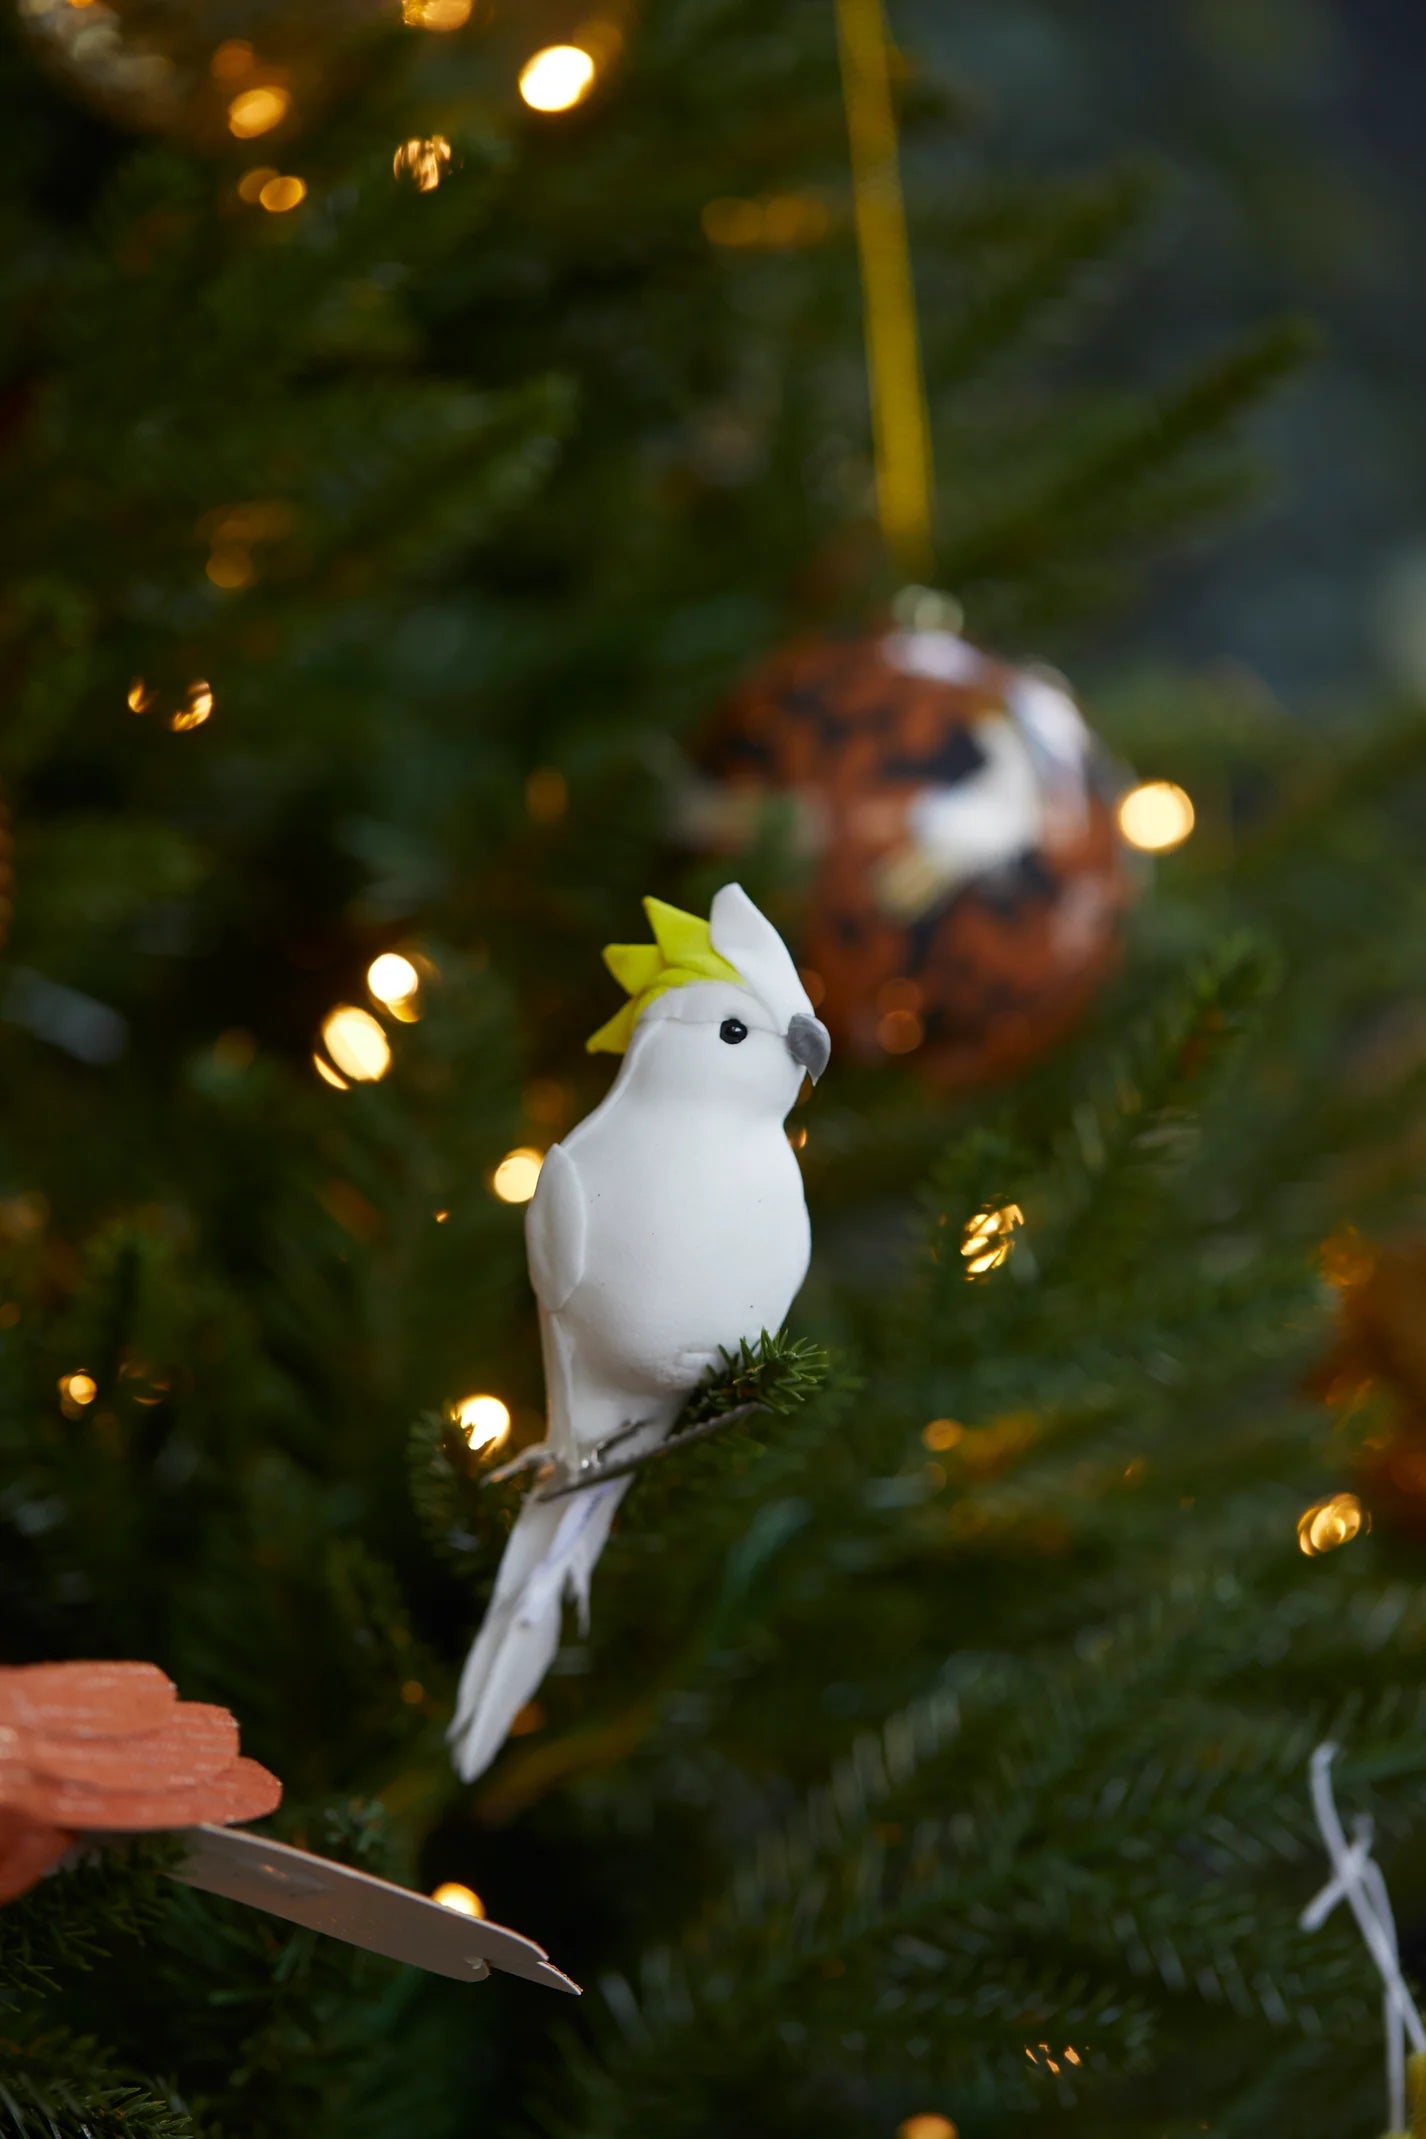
(939, 1745)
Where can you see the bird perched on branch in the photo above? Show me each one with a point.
(668, 1227)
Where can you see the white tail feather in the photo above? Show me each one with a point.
(551, 1554)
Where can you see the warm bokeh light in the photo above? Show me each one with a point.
(547, 1102)
(798, 1137)
(729, 221)
(900, 1032)
(1330, 1523)
(463, 1900)
(424, 162)
(515, 1177)
(140, 696)
(282, 193)
(196, 707)
(899, 1028)
(1042, 2054)
(232, 60)
(436, 14)
(546, 794)
(780, 221)
(251, 183)
(327, 1074)
(557, 78)
(926, 2125)
(230, 566)
(79, 1387)
(989, 1238)
(356, 1043)
(942, 1433)
(258, 111)
(1156, 816)
(393, 981)
(484, 1421)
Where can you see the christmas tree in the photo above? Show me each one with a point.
(399, 470)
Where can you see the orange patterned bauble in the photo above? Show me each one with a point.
(967, 879)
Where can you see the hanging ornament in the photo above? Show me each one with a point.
(966, 877)
(953, 810)
(92, 1751)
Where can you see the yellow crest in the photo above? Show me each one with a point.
(682, 951)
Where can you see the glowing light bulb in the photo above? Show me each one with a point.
(942, 1433)
(356, 1043)
(282, 193)
(257, 111)
(989, 1238)
(196, 707)
(436, 14)
(557, 78)
(927, 2125)
(230, 566)
(424, 162)
(484, 1421)
(79, 1387)
(392, 979)
(515, 1177)
(462, 1900)
(1330, 1523)
(1156, 816)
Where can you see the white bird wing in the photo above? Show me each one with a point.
(555, 1230)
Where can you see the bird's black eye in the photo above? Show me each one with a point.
(732, 1030)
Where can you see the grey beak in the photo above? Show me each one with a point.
(810, 1045)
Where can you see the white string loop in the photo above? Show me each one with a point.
(1358, 1881)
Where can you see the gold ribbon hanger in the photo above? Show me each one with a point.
(901, 431)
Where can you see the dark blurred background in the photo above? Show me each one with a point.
(1293, 135)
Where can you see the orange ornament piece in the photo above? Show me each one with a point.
(954, 814)
(110, 1748)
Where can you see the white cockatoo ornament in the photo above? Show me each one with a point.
(669, 1226)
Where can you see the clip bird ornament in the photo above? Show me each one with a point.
(669, 1226)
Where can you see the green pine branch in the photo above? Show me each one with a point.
(74, 1919)
(56, 2085)
(1077, 504)
(1065, 253)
